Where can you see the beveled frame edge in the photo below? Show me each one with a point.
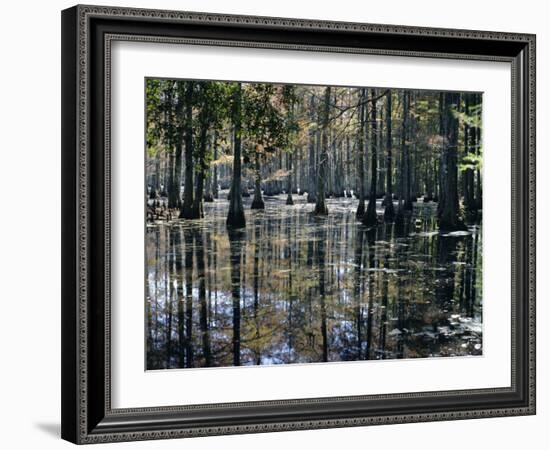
(76, 218)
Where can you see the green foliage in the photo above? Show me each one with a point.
(211, 101)
(471, 118)
(161, 131)
(258, 111)
(264, 123)
(471, 161)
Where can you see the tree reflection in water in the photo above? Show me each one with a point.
(295, 288)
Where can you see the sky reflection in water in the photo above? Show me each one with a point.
(293, 288)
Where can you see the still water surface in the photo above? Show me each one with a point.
(294, 288)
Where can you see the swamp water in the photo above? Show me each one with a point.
(294, 288)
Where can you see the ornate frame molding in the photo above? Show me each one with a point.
(80, 417)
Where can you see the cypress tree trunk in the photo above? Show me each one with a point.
(380, 187)
(155, 187)
(468, 178)
(449, 216)
(208, 194)
(296, 172)
(176, 186)
(289, 200)
(361, 149)
(311, 189)
(174, 199)
(478, 189)
(478, 195)
(215, 169)
(257, 201)
(347, 182)
(165, 176)
(320, 205)
(407, 154)
(389, 211)
(186, 211)
(235, 215)
(370, 218)
(198, 211)
(399, 217)
(435, 182)
(332, 165)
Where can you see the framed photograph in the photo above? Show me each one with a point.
(281, 224)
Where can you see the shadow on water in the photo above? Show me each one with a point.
(294, 288)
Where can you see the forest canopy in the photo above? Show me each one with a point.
(399, 146)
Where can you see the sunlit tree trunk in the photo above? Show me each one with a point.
(172, 188)
(381, 186)
(155, 184)
(477, 145)
(320, 205)
(348, 164)
(370, 218)
(312, 187)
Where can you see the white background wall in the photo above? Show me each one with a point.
(30, 222)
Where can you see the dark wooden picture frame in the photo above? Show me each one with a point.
(87, 415)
